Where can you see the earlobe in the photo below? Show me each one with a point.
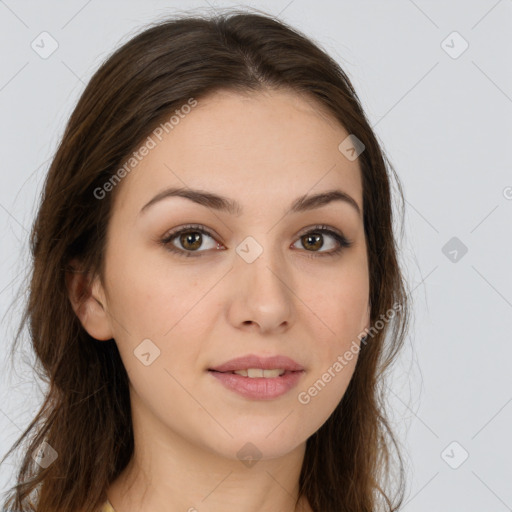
(88, 302)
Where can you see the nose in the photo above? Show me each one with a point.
(263, 296)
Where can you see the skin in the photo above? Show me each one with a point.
(263, 150)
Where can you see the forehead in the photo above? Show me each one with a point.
(258, 146)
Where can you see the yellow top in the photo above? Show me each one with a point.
(107, 507)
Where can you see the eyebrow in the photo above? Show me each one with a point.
(221, 203)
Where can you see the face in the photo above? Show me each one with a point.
(264, 279)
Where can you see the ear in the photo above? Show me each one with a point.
(88, 300)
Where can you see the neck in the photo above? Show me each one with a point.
(169, 473)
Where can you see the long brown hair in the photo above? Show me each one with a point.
(86, 415)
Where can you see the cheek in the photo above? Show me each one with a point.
(338, 311)
(324, 389)
(148, 295)
(339, 300)
(161, 305)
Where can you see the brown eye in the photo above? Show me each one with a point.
(188, 240)
(191, 240)
(313, 241)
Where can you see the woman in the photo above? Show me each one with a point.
(215, 293)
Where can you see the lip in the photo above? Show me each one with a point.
(259, 388)
(254, 361)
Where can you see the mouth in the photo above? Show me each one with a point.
(254, 366)
(259, 373)
(258, 383)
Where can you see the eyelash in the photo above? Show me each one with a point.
(343, 242)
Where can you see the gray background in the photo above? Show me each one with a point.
(444, 118)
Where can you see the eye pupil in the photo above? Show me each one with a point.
(316, 240)
(192, 237)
